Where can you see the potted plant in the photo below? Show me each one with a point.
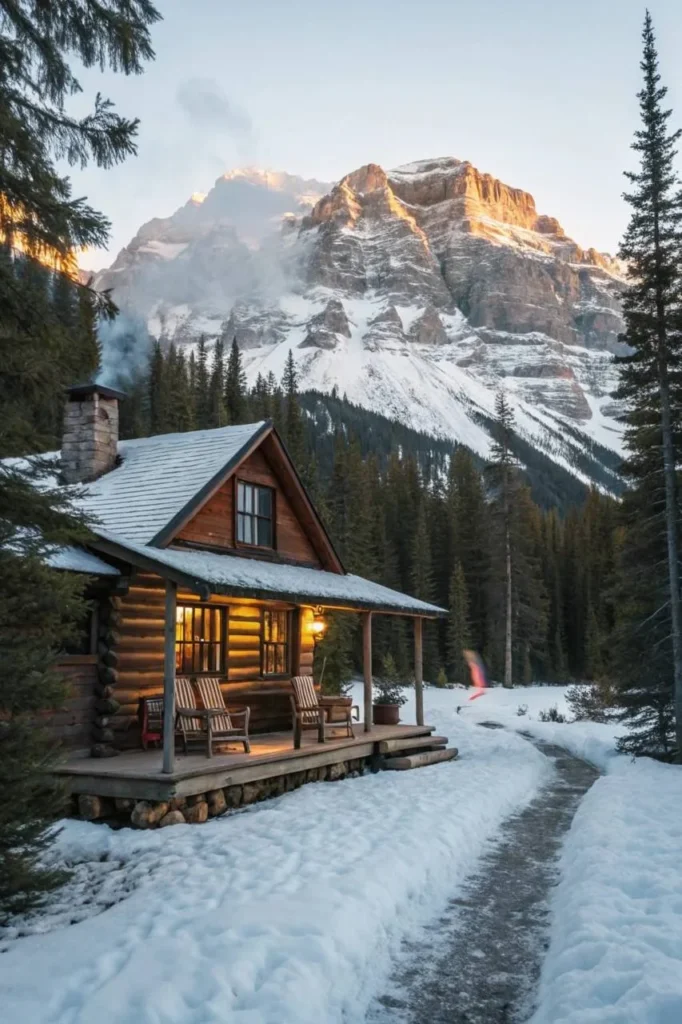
(388, 694)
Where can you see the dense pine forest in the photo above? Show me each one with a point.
(418, 514)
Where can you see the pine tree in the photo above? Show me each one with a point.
(292, 425)
(504, 476)
(216, 389)
(236, 388)
(458, 629)
(423, 588)
(40, 220)
(470, 539)
(651, 385)
(202, 397)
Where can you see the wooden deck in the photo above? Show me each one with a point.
(137, 774)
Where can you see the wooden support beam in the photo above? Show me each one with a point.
(418, 671)
(169, 679)
(367, 666)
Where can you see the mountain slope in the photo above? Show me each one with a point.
(417, 292)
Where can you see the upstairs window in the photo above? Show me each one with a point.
(254, 515)
(275, 650)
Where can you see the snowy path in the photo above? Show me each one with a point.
(481, 962)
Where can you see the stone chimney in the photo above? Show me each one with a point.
(90, 441)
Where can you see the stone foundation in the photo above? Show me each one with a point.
(194, 810)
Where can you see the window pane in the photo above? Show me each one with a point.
(280, 659)
(248, 498)
(240, 497)
(264, 502)
(283, 619)
(240, 527)
(266, 626)
(248, 530)
(178, 659)
(264, 533)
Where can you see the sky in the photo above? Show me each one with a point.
(539, 93)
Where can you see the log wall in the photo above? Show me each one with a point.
(214, 523)
(71, 724)
(140, 658)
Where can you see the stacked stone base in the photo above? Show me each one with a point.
(194, 810)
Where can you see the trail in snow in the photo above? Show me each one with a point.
(480, 962)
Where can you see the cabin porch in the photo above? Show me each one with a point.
(139, 774)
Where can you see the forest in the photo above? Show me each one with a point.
(419, 514)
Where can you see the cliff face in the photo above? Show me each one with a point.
(419, 291)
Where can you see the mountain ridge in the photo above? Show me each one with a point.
(419, 291)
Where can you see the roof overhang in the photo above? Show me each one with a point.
(205, 573)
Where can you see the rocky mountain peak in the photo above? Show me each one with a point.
(418, 291)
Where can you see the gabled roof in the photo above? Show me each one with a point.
(204, 572)
(159, 477)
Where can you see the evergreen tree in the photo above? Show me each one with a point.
(423, 588)
(504, 476)
(216, 388)
(458, 633)
(470, 540)
(202, 396)
(236, 388)
(39, 217)
(651, 387)
(292, 425)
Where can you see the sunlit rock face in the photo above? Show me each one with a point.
(418, 291)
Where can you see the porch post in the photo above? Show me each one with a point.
(418, 671)
(367, 666)
(169, 679)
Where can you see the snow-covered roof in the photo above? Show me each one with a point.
(249, 577)
(80, 560)
(158, 476)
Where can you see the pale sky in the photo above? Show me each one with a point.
(539, 93)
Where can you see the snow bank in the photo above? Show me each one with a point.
(615, 955)
(593, 741)
(284, 913)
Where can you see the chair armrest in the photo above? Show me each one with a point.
(245, 714)
(188, 713)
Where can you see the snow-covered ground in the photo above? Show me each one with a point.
(283, 913)
(615, 953)
(293, 910)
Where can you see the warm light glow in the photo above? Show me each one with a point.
(65, 264)
(318, 626)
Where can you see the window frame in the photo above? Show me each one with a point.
(287, 644)
(254, 515)
(222, 643)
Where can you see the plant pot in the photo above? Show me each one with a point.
(386, 714)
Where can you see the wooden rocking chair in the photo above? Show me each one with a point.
(213, 722)
(308, 713)
(220, 722)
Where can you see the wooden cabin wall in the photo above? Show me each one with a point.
(214, 522)
(140, 653)
(140, 658)
(72, 723)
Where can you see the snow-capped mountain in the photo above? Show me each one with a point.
(417, 292)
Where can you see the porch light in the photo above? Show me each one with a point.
(318, 626)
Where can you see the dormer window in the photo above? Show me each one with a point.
(254, 515)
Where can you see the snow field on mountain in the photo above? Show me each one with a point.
(420, 385)
(287, 912)
(615, 954)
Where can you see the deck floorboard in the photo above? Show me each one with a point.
(137, 773)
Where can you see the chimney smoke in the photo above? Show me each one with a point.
(90, 441)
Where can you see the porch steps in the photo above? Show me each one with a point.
(403, 764)
(413, 743)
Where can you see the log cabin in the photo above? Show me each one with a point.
(207, 557)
